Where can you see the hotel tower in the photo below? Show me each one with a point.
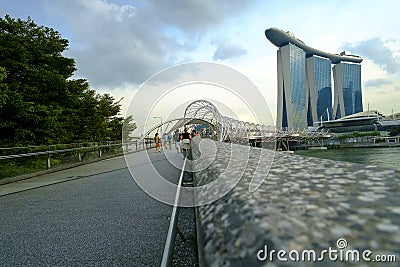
(305, 86)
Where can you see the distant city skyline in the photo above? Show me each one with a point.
(304, 82)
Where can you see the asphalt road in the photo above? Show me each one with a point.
(95, 215)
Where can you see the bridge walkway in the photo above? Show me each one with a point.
(91, 215)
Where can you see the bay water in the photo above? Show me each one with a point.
(387, 157)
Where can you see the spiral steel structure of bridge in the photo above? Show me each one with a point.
(226, 129)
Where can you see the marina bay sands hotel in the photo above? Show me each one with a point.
(305, 86)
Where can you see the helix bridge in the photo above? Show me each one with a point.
(226, 129)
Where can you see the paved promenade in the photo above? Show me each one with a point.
(91, 215)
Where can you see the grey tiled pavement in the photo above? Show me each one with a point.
(98, 217)
(305, 203)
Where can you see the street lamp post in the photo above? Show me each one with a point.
(161, 132)
(142, 130)
(141, 136)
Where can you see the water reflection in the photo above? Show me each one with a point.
(384, 157)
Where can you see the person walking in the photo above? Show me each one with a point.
(185, 142)
(177, 139)
(164, 140)
(195, 133)
(157, 139)
(169, 140)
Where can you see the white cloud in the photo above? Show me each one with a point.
(377, 83)
(227, 49)
(117, 44)
(377, 51)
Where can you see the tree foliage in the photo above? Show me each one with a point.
(358, 134)
(39, 102)
(128, 127)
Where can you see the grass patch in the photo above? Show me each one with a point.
(15, 167)
(19, 166)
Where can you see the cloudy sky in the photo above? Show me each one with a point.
(118, 44)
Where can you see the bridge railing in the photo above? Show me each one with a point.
(16, 161)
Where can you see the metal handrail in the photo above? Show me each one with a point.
(167, 256)
(56, 151)
(53, 151)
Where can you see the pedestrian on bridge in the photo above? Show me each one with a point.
(164, 140)
(185, 140)
(177, 139)
(169, 140)
(157, 139)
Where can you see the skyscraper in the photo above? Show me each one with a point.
(348, 97)
(291, 88)
(305, 86)
(319, 89)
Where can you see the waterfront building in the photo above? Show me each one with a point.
(319, 88)
(347, 86)
(291, 88)
(366, 121)
(305, 86)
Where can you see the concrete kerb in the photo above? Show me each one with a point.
(199, 232)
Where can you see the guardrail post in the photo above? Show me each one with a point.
(48, 165)
(79, 153)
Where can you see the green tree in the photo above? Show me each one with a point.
(128, 127)
(3, 74)
(39, 102)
